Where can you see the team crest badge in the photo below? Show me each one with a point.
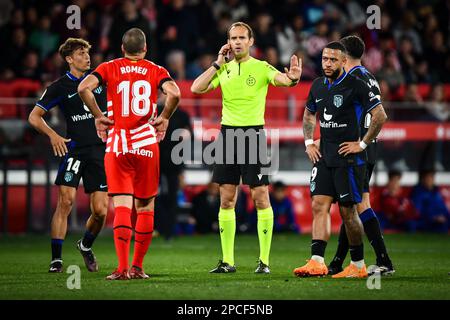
(312, 187)
(68, 176)
(338, 100)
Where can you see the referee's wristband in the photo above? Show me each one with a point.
(308, 142)
(216, 66)
(363, 145)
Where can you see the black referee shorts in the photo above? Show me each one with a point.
(84, 162)
(343, 184)
(241, 152)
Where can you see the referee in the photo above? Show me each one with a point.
(244, 82)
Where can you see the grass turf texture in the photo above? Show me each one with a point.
(179, 270)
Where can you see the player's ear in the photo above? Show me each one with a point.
(69, 60)
(123, 50)
(252, 40)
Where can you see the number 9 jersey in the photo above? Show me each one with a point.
(132, 94)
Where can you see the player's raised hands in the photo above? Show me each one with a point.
(349, 148)
(160, 124)
(102, 124)
(295, 68)
(59, 145)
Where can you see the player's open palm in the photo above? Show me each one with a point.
(102, 124)
(295, 68)
(59, 145)
(160, 125)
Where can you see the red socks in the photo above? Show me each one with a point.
(122, 236)
(143, 233)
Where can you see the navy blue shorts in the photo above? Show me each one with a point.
(343, 184)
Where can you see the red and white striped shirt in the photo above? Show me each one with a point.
(132, 88)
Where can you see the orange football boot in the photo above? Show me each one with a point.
(312, 269)
(352, 271)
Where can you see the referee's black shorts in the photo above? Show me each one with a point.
(343, 184)
(241, 152)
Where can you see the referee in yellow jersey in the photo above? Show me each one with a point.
(244, 82)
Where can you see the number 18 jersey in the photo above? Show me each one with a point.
(132, 94)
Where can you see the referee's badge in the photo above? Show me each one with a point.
(338, 100)
(251, 81)
(68, 176)
(312, 186)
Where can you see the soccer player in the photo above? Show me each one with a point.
(132, 151)
(244, 82)
(355, 49)
(82, 152)
(339, 166)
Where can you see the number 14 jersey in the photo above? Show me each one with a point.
(132, 93)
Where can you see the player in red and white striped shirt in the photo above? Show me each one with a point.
(131, 130)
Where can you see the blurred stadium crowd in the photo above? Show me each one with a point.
(184, 35)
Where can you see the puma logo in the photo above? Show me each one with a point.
(265, 231)
(140, 242)
(221, 230)
(123, 239)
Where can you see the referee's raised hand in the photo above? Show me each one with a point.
(295, 68)
(59, 145)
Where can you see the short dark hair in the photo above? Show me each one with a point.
(394, 173)
(354, 46)
(336, 45)
(278, 185)
(240, 24)
(425, 172)
(134, 41)
(71, 45)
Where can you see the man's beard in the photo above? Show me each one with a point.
(334, 75)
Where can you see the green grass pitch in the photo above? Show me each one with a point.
(179, 270)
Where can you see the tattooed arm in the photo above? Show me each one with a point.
(379, 117)
(309, 124)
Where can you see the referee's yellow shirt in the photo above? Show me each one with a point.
(244, 88)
